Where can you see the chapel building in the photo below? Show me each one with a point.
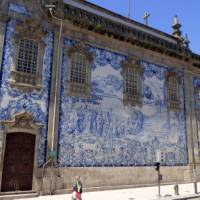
(85, 91)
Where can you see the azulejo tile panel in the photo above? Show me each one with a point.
(103, 132)
(196, 83)
(13, 101)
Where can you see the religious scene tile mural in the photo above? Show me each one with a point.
(103, 131)
(14, 101)
(196, 83)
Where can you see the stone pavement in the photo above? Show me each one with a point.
(145, 193)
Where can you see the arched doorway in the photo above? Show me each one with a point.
(18, 162)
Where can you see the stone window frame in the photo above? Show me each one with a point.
(84, 90)
(133, 63)
(173, 92)
(29, 30)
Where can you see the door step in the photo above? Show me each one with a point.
(17, 195)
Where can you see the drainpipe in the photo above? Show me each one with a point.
(43, 167)
(55, 96)
(50, 8)
(57, 71)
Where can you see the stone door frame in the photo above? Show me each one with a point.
(22, 123)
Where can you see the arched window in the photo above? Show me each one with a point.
(132, 82)
(173, 91)
(79, 72)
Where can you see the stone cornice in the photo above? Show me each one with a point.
(81, 48)
(101, 25)
(172, 74)
(22, 120)
(31, 28)
(133, 62)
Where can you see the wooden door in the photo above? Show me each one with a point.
(18, 162)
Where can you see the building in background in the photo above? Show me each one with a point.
(85, 91)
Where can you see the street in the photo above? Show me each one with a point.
(146, 193)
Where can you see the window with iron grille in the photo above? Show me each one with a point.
(79, 69)
(133, 73)
(27, 56)
(173, 92)
(29, 49)
(79, 75)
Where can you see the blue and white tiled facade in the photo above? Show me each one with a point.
(103, 132)
(100, 138)
(14, 101)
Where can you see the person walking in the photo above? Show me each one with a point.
(78, 188)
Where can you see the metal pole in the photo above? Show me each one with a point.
(159, 175)
(195, 180)
(159, 195)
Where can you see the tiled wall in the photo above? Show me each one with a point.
(13, 101)
(104, 132)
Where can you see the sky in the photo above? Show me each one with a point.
(162, 15)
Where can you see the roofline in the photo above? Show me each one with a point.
(129, 22)
(102, 21)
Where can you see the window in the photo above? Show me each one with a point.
(79, 69)
(79, 72)
(133, 73)
(132, 88)
(29, 47)
(27, 57)
(173, 91)
(197, 102)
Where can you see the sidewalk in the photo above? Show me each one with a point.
(146, 193)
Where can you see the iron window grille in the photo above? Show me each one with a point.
(133, 73)
(27, 56)
(79, 72)
(173, 90)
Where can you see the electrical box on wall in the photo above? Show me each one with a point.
(160, 156)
